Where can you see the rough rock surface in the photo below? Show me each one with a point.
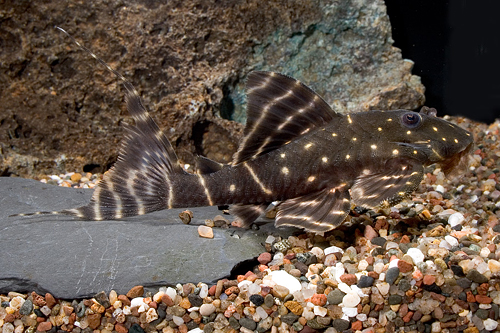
(61, 111)
(73, 259)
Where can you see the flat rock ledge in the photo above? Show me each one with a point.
(74, 259)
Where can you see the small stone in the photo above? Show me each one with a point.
(284, 279)
(294, 307)
(205, 232)
(351, 300)
(429, 279)
(457, 270)
(151, 315)
(207, 309)
(124, 299)
(380, 241)
(394, 299)
(365, 281)
(136, 328)
(248, 323)
(257, 299)
(335, 296)
(136, 291)
(44, 326)
(269, 300)
(416, 255)
(195, 300)
(318, 299)
(404, 267)
(494, 266)
(167, 300)
(264, 258)
(76, 177)
(477, 277)
(464, 282)
(340, 325)
(391, 275)
(490, 324)
(264, 325)
(349, 279)
(280, 291)
(103, 299)
(94, 320)
(483, 299)
(26, 308)
(186, 216)
(50, 300)
(370, 233)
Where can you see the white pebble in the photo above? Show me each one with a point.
(490, 324)
(383, 288)
(253, 289)
(243, 285)
(378, 267)
(445, 245)
(308, 313)
(391, 245)
(455, 219)
(363, 264)
(416, 255)
(332, 249)
(440, 188)
(16, 302)
(207, 309)
(171, 292)
(151, 315)
(203, 290)
(393, 263)
(45, 310)
(7, 328)
(361, 317)
(351, 300)
(436, 327)
(344, 287)
(451, 240)
(178, 320)
(138, 301)
(350, 312)
(284, 279)
(485, 252)
(320, 311)
(261, 312)
(205, 232)
(270, 239)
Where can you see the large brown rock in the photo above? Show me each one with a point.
(61, 111)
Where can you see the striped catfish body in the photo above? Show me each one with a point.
(295, 150)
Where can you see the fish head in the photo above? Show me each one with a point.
(431, 139)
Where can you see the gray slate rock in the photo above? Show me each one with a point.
(72, 258)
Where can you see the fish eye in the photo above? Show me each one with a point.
(411, 119)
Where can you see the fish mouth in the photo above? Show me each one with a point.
(457, 163)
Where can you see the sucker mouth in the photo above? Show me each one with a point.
(458, 163)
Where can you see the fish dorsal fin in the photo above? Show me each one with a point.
(317, 212)
(205, 165)
(393, 183)
(280, 109)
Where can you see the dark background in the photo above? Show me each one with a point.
(455, 45)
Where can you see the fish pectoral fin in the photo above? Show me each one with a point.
(280, 109)
(390, 184)
(247, 214)
(317, 212)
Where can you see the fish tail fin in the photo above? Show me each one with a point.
(140, 182)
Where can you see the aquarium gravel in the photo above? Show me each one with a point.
(429, 264)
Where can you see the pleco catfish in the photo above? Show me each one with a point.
(296, 150)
